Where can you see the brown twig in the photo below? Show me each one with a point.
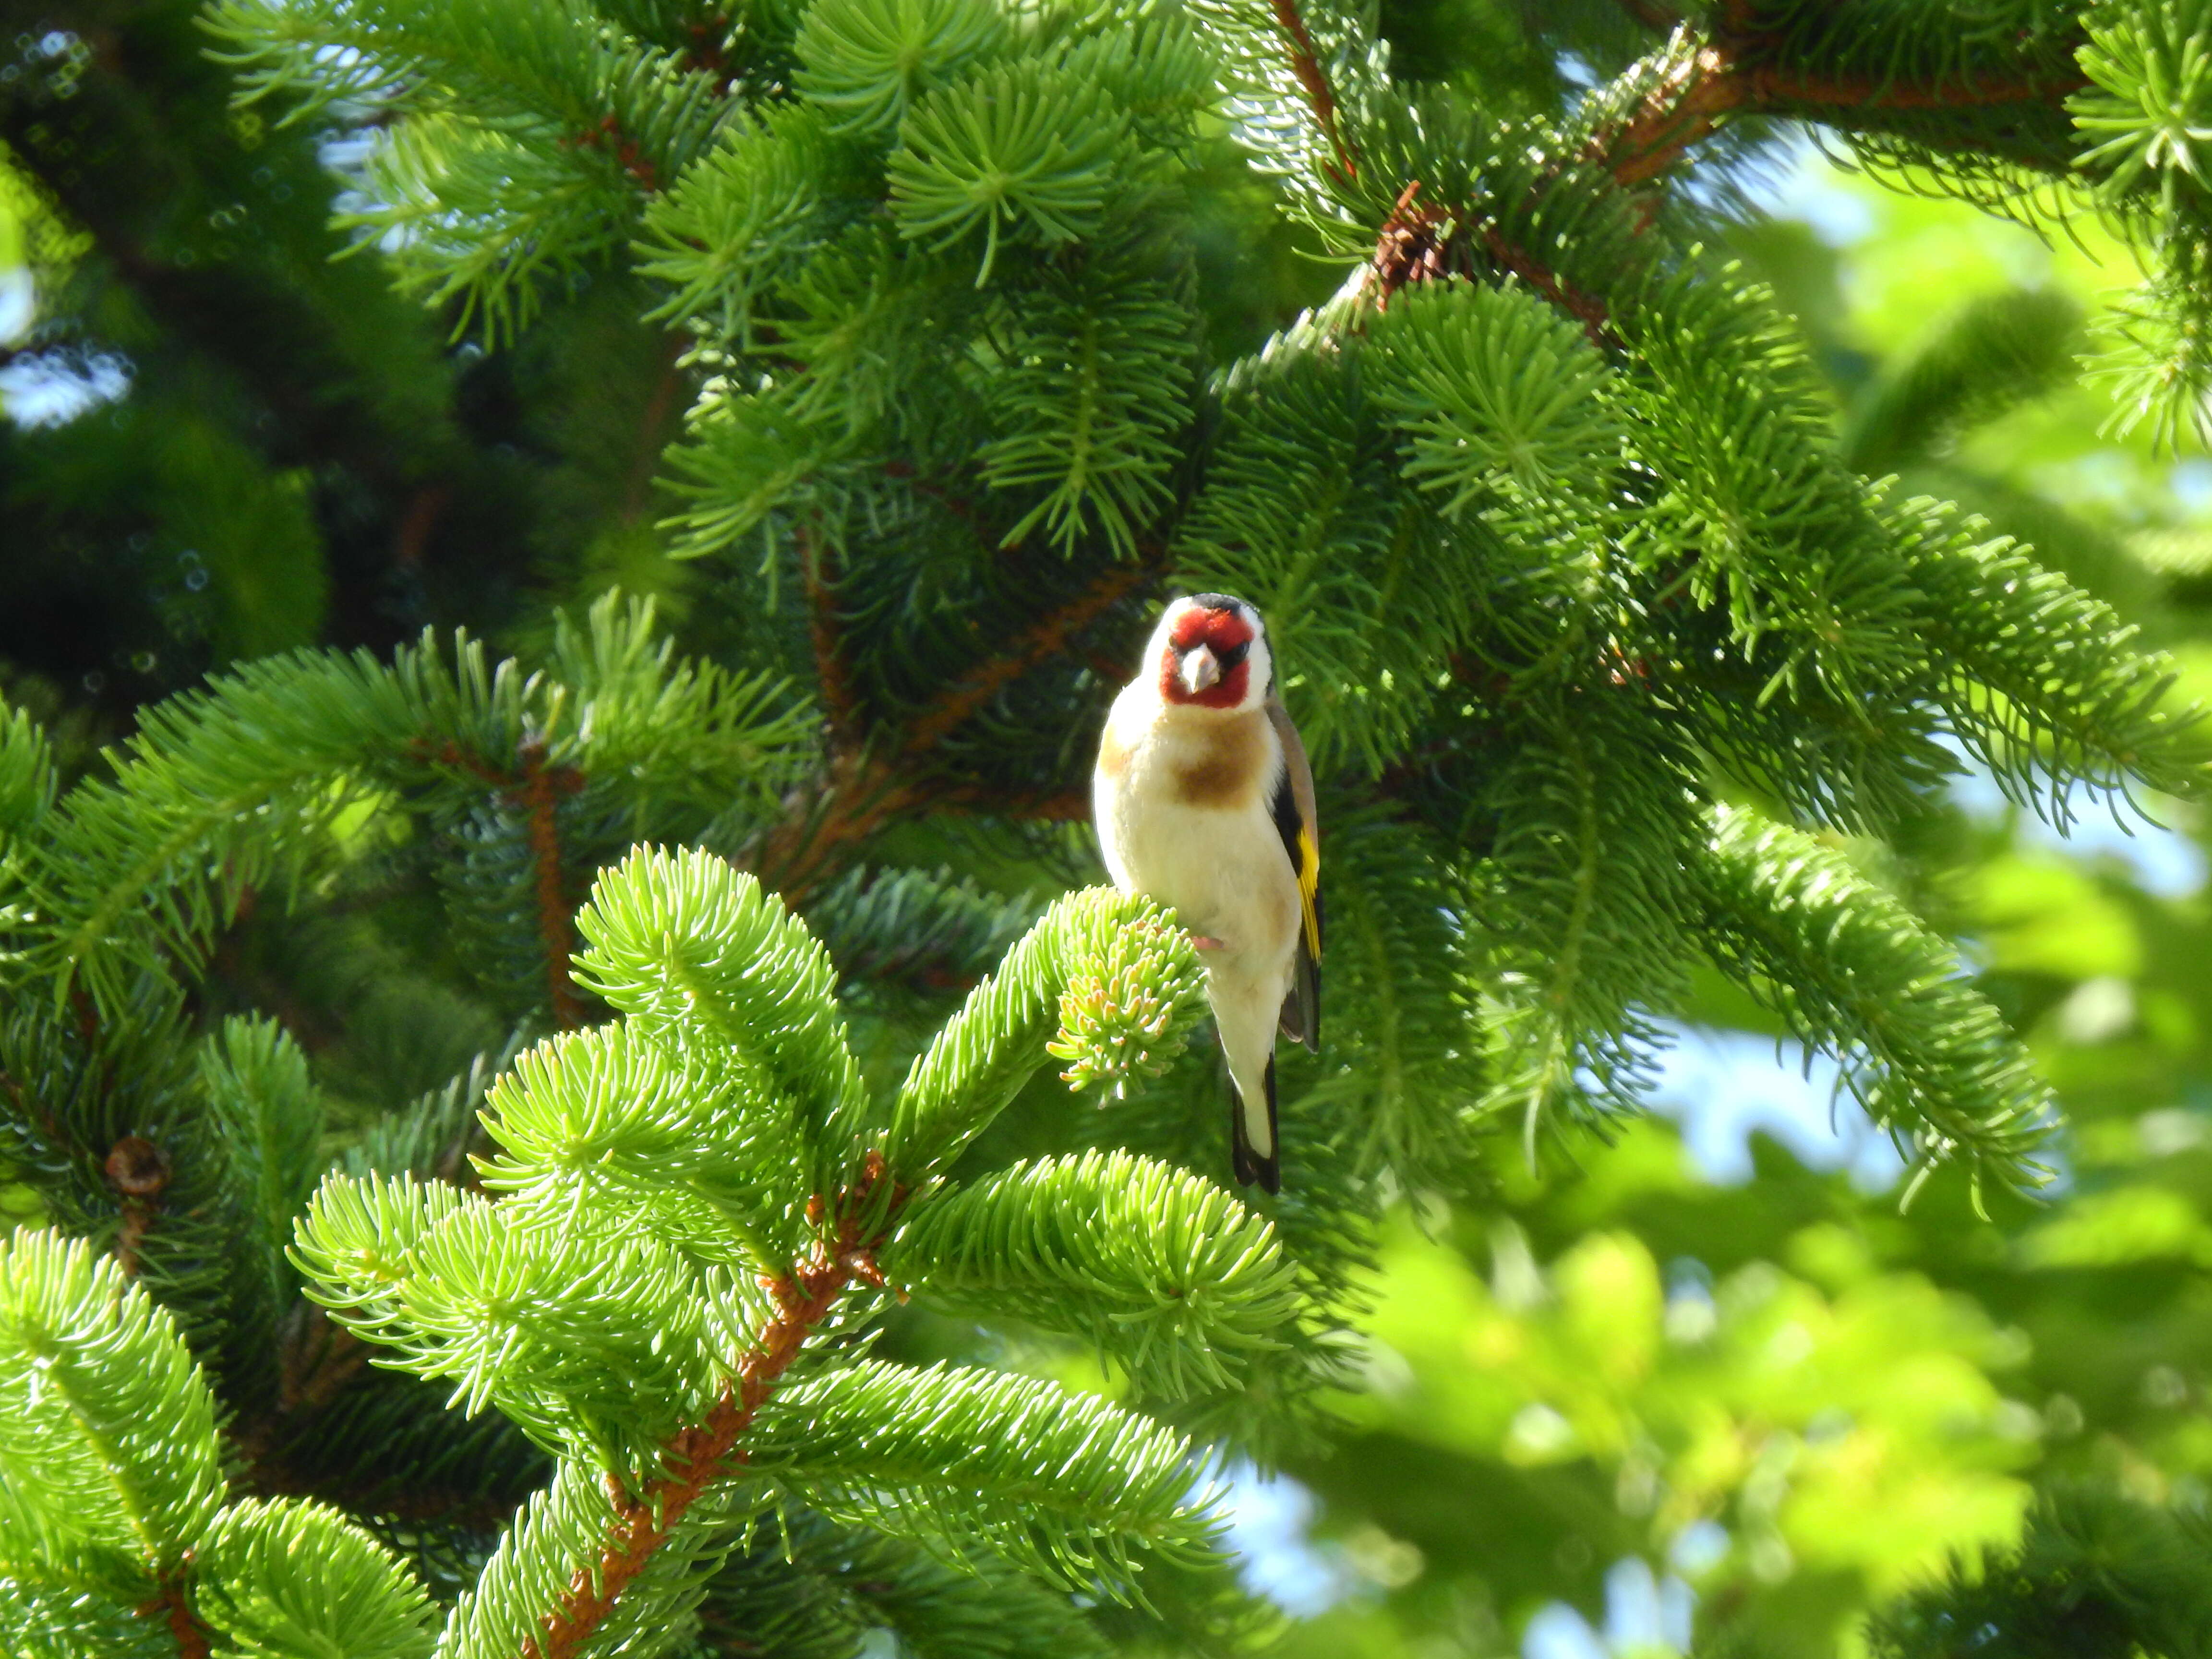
(1413, 246)
(703, 1454)
(652, 437)
(451, 755)
(1047, 638)
(1723, 78)
(608, 135)
(1585, 308)
(1059, 806)
(1305, 63)
(138, 1170)
(536, 788)
(818, 562)
(862, 789)
(707, 54)
(540, 789)
(420, 518)
(177, 1612)
(848, 803)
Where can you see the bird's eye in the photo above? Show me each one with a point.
(1229, 656)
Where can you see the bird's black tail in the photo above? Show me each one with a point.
(1248, 1164)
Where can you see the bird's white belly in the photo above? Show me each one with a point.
(1223, 869)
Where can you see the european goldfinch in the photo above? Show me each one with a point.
(1203, 800)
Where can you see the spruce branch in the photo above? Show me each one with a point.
(862, 789)
(707, 1452)
(109, 1451)
(996, 1043)
(371, 1250)
(1163, 1272)
(1695, 87)
(812, 1590)
(1043, 641)
(269, 1121)
(697, 954)
(246, 788)
(818, 561)
(283, 1577)
(2094, 1571)
(540, 788)
(1321, 97)
(1859, 977)
(1059, 1481)
(112, 1489)
(175, 1609)
(138, 1170)
(2041, 681)
(28, 787)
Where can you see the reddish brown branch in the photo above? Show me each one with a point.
(413, 538)
(1585, 308)
(138, 1170)
(1045, 639)
(176, 1611)
(1305, 63)
(862, 789)
(653, 434)
(1413, 246)
(608, 136)
(1062, 806)
(448, 754)
(1693, 91)
(708, 55)
(819, 562)
(1720, 79)
(540, 787)
(1685, 106)
(849, 804)
(698, 1456)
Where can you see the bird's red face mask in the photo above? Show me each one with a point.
(1205, 662)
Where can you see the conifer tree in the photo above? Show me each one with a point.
(1601, 648)
(278, 453)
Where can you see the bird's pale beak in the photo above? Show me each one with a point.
(1200, 668)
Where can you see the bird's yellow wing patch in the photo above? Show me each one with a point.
(1309, 887)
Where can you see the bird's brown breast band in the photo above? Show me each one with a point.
(1225, 770)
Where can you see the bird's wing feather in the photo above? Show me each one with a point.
(1299, 826)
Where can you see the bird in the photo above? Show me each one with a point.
(1203, 799)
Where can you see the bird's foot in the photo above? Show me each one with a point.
(1207, 942)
